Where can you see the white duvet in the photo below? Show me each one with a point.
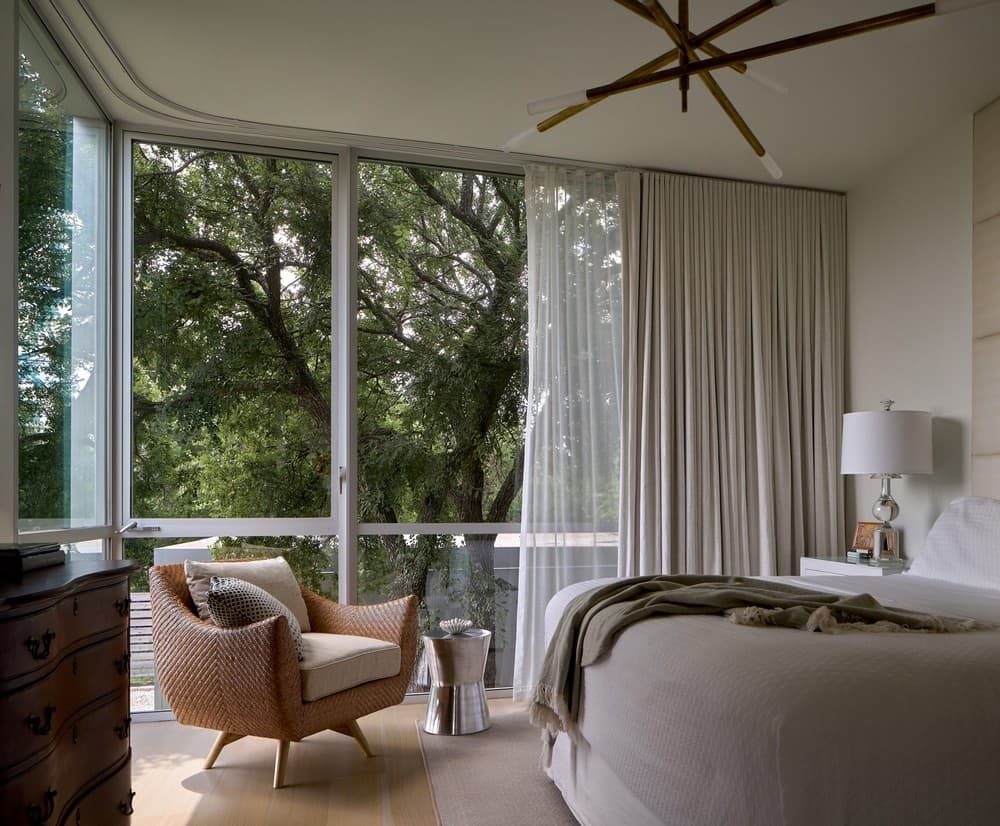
(695, 721)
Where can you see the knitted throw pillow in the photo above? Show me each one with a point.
(234, 602)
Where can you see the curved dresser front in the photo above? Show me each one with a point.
(64, 695)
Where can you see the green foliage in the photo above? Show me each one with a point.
(141, 550)
(231, 289)
(44, 279)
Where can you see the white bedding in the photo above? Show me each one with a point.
(694, 720)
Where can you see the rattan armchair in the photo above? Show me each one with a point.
(246, 681)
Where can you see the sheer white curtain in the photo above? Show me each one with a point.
(734, 300)
(571, 467)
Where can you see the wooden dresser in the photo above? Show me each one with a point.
(64, 696)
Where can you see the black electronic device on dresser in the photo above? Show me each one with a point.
(64, 695)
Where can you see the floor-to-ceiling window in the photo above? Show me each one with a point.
(231, 410)
(63, 292)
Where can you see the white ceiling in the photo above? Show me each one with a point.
(461, 71)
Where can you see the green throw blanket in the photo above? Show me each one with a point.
(593, 620)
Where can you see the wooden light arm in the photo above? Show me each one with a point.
(676, 34)
(687, 53)
(789, 44)
(720, 28)
(701, 41)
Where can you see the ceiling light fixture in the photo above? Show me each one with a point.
(687, 44)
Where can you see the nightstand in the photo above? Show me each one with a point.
(842, 566)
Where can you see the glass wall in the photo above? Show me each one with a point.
(442, 332)
(231, 331)
(229, 361)
(63, 288)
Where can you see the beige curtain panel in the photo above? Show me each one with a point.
(734, 310)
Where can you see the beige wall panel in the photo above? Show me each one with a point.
(986, 395)
(986, 277)
(986, 476)
(910, 316)
(986, 162)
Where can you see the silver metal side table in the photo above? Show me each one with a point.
(457, 703)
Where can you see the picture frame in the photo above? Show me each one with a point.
(864, 536)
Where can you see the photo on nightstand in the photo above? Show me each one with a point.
(864, 537)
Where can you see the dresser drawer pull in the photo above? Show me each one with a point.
(39, 814)
(121, 664)
(43, 724)
(122, 606)
(123, 730)
(40, 648)
(125, 807)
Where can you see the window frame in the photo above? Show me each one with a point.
(8, 271)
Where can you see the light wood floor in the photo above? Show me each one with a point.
(329, 780)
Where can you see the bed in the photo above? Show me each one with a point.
(695, 721)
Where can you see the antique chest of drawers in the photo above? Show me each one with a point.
(64, 695)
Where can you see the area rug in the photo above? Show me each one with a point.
(492, 778)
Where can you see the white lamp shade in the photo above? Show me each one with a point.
(894, 441)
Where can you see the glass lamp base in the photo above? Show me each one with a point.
(885, 543)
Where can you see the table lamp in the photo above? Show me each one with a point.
(886, 444)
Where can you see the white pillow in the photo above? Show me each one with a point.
(963, 545)
(273, 575)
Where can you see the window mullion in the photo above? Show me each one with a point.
(344, 292)
(122, 511)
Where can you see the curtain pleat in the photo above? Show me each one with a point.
(733, 385)
(570, 501)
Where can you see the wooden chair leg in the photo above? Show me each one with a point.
(355, 731)
(223, 740)
(280, 761)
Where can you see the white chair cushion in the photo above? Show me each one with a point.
(963, 545)
(336, 662)
(273, 575)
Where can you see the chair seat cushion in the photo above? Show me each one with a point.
(336, 662)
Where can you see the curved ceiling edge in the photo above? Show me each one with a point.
(144, 99)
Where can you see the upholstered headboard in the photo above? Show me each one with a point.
(963, 545)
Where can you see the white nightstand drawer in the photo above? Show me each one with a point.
(842, 566)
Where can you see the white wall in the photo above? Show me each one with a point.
(909, 298)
